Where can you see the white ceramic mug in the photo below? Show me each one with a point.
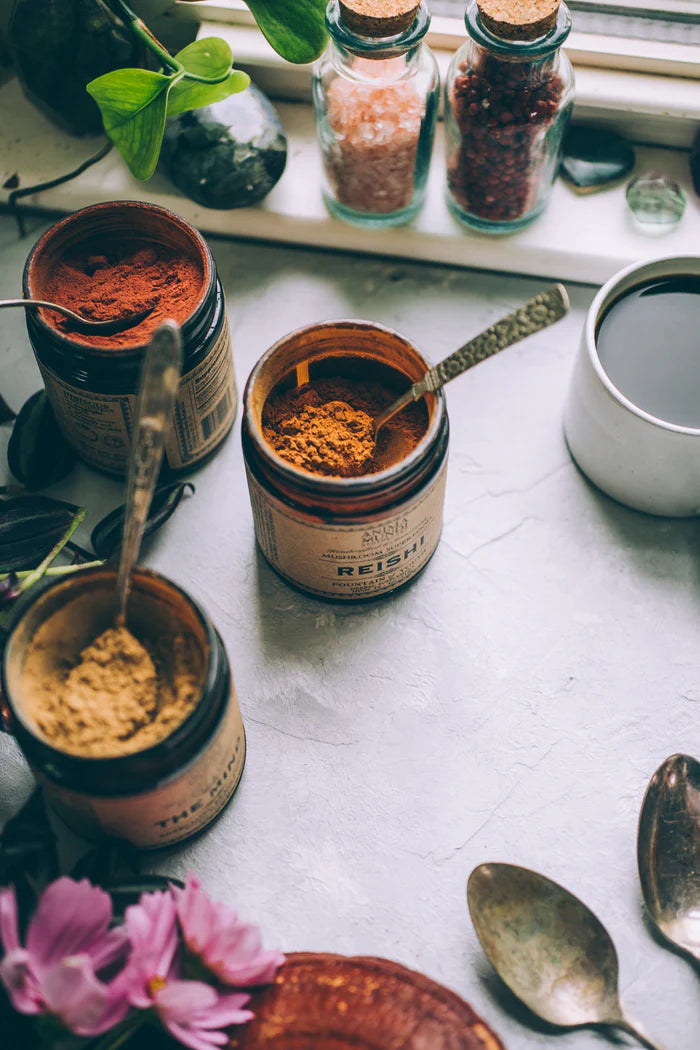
(644, 462)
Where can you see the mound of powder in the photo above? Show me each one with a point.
(327, 427)
(118, 698)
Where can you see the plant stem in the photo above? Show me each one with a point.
(26, 191)
(208, 80)
(37, 573)
(57, 570)
(119, 1035)
(153, 44)
(146, 36)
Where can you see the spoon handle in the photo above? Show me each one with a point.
(634, 1029)
(42, 302)
(534, 315)
(160, 374)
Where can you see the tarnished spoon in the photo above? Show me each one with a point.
(549, 948)
(537, 313)
(668, 852)
(86, 324)
(160, 375)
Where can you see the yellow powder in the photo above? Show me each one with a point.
(117, 698)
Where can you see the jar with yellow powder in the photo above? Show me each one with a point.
(340, 512)
(134, 733)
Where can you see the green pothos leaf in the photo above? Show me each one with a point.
(295, 28)
(133, 103)
(190, 94)
(208, 57)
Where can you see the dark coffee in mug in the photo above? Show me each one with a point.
(648, 342)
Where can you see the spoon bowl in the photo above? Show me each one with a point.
(668, 852)
(111, 326)
(549, 948)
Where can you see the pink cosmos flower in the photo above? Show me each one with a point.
(192, 1011)
(230, 949)
(68, 945)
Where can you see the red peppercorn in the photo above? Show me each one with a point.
(503, 110)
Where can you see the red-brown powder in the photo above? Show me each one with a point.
(112, 280)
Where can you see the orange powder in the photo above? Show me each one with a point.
(327, 427)
(107, 281)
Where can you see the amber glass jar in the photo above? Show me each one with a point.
(92, 383)
(345, 538)
(166, 792)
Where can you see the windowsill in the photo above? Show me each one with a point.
(660, 110)
(583, 239)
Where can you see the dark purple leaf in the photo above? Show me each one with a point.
(107, 535)
(9, 588)
(38, 454)
(28, 857)
(6, 413)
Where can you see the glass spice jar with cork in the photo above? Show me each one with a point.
(376, 93)
(508, 97)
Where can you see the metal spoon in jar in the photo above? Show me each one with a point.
(160, 374)
(668, 852)
(549, 948)
(111, 326)
(538, 313)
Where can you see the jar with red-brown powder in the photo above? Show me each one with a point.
(106, 261)
(376, 92)
(508, 97)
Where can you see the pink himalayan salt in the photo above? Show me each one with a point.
(377, 126)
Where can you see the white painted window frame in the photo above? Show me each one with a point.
(648, 90)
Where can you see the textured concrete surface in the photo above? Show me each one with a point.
(510, 705)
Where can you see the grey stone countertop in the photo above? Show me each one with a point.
(510, 705)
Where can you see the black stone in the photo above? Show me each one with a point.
(592, 158)
(695, 163)
(227, 155)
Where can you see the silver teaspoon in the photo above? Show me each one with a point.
(111, 326)
(160, 374)
(534, 315)
(668, 852)
(549, 948)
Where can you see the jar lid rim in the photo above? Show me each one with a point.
(540, 47)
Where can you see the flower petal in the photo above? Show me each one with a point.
(194, 1014)
(179, 1001)
(110, 950)
(74, 995)
(16, 975)
(9, 934)
(71, 918)
(152, 931)
(229, 948)
(196, 1040)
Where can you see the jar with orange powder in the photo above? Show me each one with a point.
(108, 260)
(376, 93)
(340, 511)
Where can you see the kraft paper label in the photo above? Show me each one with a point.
(98, 426)
(350, 561)
(171, 812)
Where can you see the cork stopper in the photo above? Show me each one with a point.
(519, 19)
(379, 18)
